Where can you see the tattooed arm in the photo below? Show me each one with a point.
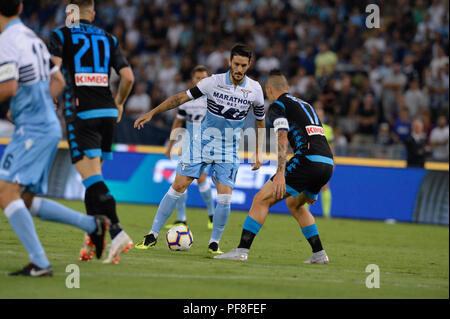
(171, 103)
(279, 181)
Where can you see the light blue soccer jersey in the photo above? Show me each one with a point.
(28, 157)
(193, 113)
(227, 108)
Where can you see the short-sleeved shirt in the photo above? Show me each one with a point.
(193, 111)
(88, 54)
(305, 132)
(227, 108)
(24, 58)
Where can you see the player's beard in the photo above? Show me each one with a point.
(239, 74)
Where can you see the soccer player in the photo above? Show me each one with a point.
(229, 98)
(299, 180)
(25, 73)
(192, 112)
(87, 54)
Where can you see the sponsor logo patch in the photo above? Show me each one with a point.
(315, 130)
(91, 79)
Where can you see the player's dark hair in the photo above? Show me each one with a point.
(275, 72)
(199, 68)
(241, 50)
(277, 80)
(9, 8)
(82, 3)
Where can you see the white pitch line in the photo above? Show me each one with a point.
(320, 268)
(188, 276)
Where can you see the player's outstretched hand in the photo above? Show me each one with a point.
(140, 122)
(279, 186)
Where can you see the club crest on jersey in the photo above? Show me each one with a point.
(246, 92)
(315, 130)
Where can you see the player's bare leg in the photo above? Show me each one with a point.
(165, 209)
(20, 220)
(48, 210)
(307, 223)
(99, 201)
(262, 201)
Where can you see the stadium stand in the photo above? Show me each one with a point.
(372, 83)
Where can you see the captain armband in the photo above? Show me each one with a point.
(281, 123)
(8, 72)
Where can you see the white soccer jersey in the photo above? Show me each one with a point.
(193, 111)
(227, 108)
(24, 57)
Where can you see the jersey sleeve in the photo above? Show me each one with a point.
(181, 113)
(118, 60)
(53, 67)
(277, 115)
(202, 88)
(9, 61)
(258, 104)
(56, 43)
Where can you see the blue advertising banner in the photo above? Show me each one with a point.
(357, 191)
(360, 192)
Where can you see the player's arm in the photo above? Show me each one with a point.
(125, 86)
(56, 47)
(277, 115)
(169, 104)
(177, 123)
(9, 76)
(260, 126)
(123, 69)
(57, 82)
(8, 90)
(176, 100)
(279, 181)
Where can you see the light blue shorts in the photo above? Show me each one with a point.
(28, 158)
(224, 173)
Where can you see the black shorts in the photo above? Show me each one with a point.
(91, 137)
(306, 176)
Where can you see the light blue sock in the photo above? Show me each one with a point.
(181, 207)
(165, 209)
(20, 219)
(54, 212)
(310, 231)
(206, 193)
(251, 225)
(221, 215)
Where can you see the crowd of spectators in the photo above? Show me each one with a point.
(371, 83)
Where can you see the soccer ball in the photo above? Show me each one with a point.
(179, 238)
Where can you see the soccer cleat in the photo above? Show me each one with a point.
(319, 257)
(122, 243)
(213, 248)
(88, 250)
(148, 241)
(235, 254)
(31, 270)
(178, 222)
(98, 236)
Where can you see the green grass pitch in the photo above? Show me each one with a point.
(413, 261)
